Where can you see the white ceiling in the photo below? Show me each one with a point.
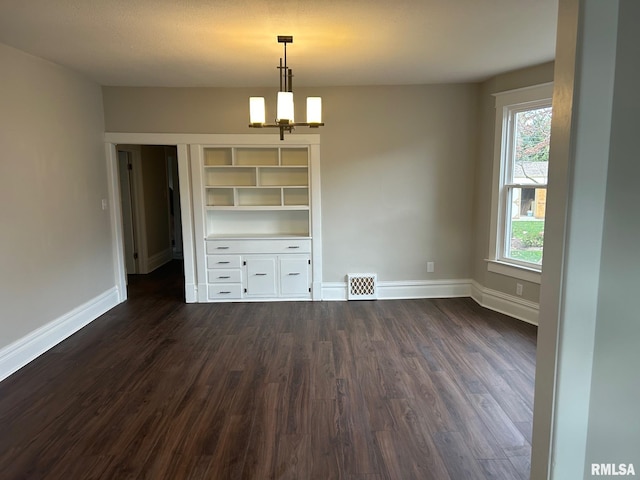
(227, 43)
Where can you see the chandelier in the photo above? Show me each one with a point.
(284, 114)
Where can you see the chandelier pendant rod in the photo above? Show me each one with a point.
(286, 71)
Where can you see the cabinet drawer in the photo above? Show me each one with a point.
(224, 290)
(292, 245)
(221, 275)
(223, 261)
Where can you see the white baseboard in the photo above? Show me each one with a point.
(511, 305)
(19, 353)
(158, 260)
(404, 289)
(334, 291)
(424, 289)
(190, 293)
(201, 292)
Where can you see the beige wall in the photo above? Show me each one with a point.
(484, 176)
(156, 203)
(397, 167)
(55, 250)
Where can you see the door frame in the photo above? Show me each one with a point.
(184, 178)
(136, 199)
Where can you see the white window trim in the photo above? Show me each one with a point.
(516, 271)
(512, 99)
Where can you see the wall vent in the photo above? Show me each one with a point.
(362, 286)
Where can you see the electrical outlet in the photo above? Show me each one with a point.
(104, 204)
(430, 267)
(519, 289)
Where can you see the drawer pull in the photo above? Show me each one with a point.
(225, 276)
(222, 248)
(224, 293)
(261, 274)
(294, 273)
(293, 246)
(222, 263)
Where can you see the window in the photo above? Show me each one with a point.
(523, 131)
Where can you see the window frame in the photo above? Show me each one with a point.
(507, 105)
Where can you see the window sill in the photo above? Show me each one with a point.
(516, 271)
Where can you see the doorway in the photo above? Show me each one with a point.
(182, 143)
(150, 206)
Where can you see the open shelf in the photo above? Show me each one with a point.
(217, 156)
(219, 197)
(283, 176)
(256, 156)
(230, 176)
(264, 197)
(294, 156)
(244, 223)
(256, 190)
(295, 196)
(259, 197)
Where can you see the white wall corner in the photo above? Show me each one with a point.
(511, 305)
(19, 353)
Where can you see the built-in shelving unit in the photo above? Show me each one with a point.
(239, 182)
(257, 210)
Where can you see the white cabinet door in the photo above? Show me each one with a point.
(294, 275)
(261, 276)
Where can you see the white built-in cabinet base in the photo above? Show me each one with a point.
(258, 269)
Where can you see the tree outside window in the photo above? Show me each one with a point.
(525, 183)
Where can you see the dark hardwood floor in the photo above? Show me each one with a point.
(158, 389)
